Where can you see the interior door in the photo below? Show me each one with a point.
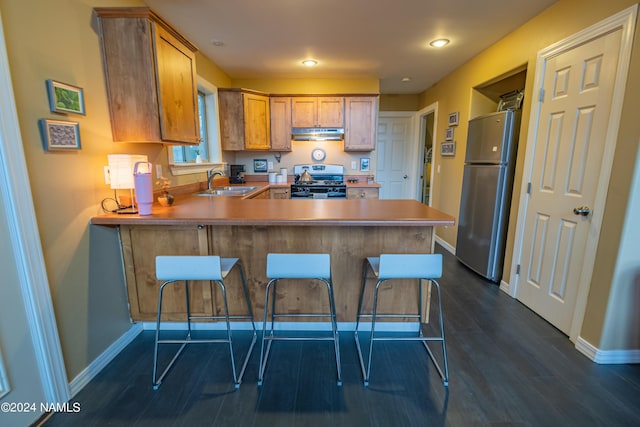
(570, 138)
(394, 164)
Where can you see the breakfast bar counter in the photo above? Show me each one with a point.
(349, 230)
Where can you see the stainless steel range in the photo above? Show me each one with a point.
(319, 181)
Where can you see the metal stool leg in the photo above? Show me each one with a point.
(443, 375)
(264, 354)
(334, 326)
(158, 380)
(358, 317)
(253, 324)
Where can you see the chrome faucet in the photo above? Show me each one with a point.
(211, 175)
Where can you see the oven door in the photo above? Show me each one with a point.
(316, 192)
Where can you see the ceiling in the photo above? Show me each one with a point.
(383, 39)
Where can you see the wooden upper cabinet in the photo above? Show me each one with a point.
(361, 114)
(150, 70)
(245, 122)
(280, 123)
(321, 111)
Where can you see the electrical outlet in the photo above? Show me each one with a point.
(158, 171)
(270, 165)
(438, 169)
(107, 175)
(353, 166)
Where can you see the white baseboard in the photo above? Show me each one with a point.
(505, 287)
(445, 245)
(607, 357)
(88, 373)
(286, 326)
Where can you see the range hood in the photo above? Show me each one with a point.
(317, 134)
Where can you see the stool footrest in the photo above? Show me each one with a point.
(392, 316)
(302, 315)
(221, 317)
(199, 341)
(280, 338)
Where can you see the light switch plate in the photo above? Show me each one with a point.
(353, 166)
(270, 165)
(158, 171)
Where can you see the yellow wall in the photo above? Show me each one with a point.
(453, 93)
(407, 102)
(310, 86)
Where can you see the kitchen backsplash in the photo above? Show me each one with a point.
(301, 154)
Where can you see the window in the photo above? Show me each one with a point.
(183, 159)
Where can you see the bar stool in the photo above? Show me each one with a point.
(297, 266)
(175, 269)
(402, 266)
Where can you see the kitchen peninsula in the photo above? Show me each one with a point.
(349, 230)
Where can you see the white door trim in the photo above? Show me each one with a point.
(419, 146)
(25, 242)
(625, 21)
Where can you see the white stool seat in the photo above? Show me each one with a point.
(297, 266)
(402, 266)
(406, 266)
(184, 267)
(213, 269)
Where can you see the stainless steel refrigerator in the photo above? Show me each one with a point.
(486, 192)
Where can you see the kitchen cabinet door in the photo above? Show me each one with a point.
(140, 246)
(280, 123)
(245, 121)
(279, 193)
(322, 111)
(257, 122)
(151, 78)
(361, 116)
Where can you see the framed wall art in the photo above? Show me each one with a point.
(59, 134)
(448, 135)
(454, 119)
(65, 98)
(448, 148)
(260, 165)
(364, 164)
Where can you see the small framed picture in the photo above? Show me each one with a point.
(364, 164)
(259, 165)
(65, 98)
(448, 135)
(453, 119)
(448, 148)
(59, 134)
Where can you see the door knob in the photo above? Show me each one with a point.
(582, 210)
(405, 177)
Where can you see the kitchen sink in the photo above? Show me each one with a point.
(231, 190)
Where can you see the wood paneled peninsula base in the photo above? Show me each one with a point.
(349, 230)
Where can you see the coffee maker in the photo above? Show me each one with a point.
(236, 174)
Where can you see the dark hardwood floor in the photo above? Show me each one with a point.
(507, 367)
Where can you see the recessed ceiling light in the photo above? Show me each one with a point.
(406, 79)
(217, 42)
(439, 42)
(310, 62)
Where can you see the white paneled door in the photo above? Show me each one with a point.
(394, 165)
(574, 115)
